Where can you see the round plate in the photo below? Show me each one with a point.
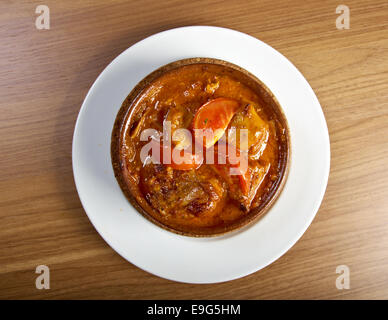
(187, 259)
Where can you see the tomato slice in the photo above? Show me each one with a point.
(245, 181)
(213, 118)
(233, 161)
(176, 159)
(242, 171)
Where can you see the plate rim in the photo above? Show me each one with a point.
(319, 198)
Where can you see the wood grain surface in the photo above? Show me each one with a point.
(45, 75)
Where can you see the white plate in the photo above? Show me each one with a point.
(200, 260)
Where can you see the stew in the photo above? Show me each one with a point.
(227, 145)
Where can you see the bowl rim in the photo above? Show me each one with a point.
(126, 111)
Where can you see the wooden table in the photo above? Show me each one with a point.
(45, 75)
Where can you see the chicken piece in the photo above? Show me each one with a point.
(187, 193)
(254, 138)
(180, 118)
(211, 87)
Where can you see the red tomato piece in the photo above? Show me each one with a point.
(241, 169)
(213, 118)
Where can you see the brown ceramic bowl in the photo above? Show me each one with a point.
(125, 174)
